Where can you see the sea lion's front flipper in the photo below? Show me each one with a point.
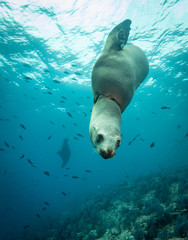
(118, 36)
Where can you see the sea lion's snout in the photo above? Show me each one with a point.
(107, 146)
(109, 153)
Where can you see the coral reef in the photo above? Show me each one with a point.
(146, 208)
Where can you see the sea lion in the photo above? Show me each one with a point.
(116, 75)
(65, 152)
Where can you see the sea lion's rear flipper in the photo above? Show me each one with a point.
(118, 37)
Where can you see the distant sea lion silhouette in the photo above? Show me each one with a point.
(65, 152)
(115, 76)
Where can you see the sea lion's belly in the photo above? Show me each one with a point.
(113, 77)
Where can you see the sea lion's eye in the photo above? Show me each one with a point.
(118, 143)
(99, 138)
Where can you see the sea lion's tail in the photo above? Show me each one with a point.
(118, 37)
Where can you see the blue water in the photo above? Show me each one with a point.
(47, 51)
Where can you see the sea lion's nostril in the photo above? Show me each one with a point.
(103, 153)
(109, 152)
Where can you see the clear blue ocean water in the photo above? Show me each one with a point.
(47, 51)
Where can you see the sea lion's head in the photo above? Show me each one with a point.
(105, 139)
(105, 126)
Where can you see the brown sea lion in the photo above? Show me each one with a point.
(116, 75)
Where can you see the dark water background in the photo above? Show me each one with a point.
(47, 50)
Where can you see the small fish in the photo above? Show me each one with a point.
(77, 103)
(62, 101)
(26, 65)
(2, 150)
(44, 208)
(152, 144)
(137, 118)
(14, 116)
(74, 79)
(69, 114)
(75, 124)
(27, 78)
(85, 114)
(49, 137)
(165, 107)
(75, 138)
(134, 139)
(63, 126)
(26, 226)
(66, 72)
(88, 171)
(5, 172)
(56, 81)
(48, 87)
(79, 134)
(68, 168)
(186, 135)
(66, 175)
(22, 126)
(21, 137)
(75, 177)
(46, 70)
(46, 173)
(64, 194)
(178, 126)
(22, 156)
(46, 203)
(64, 97)
(77, 73)
(141, 139)
(38, 215)
(51, 122)
(50, 93)
(29, 161)
(13, 147)
(6, 144)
